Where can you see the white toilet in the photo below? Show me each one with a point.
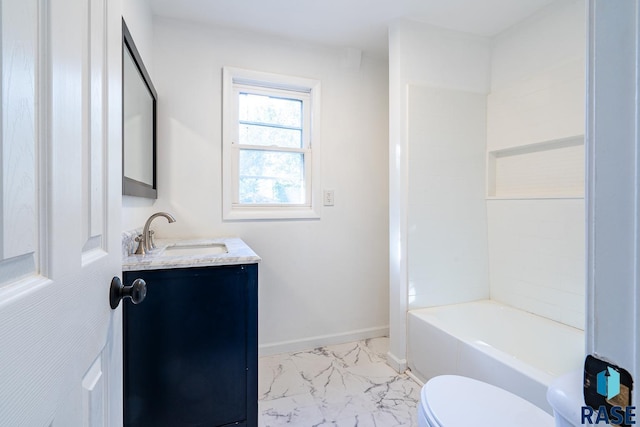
(565, 395)
(455, 401)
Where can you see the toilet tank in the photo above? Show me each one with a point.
(565, 395)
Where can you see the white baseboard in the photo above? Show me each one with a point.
(414, 377)
(321, 341)
(399, 365)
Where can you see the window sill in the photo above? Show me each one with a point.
(269, 213)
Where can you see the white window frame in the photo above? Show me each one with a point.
(236, 80)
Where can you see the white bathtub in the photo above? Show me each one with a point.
(494, 343)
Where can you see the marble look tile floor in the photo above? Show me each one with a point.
(339, 385)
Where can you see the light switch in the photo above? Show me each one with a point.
(328, 198)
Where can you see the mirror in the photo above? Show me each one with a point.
(138, 123)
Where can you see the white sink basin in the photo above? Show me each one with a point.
(196, 249)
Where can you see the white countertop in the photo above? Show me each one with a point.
(238, 253)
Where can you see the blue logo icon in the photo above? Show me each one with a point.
(609, 383)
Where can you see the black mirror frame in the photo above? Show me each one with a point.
(131, 187)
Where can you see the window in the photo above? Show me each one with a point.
(270, 146)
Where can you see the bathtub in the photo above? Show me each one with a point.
(491, 342)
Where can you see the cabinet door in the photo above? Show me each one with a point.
(185, 348)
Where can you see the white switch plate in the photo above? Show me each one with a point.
(328, 198)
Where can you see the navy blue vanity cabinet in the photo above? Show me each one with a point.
(191, 348)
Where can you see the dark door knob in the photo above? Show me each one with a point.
(137, 291)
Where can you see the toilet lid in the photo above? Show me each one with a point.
(451, 400)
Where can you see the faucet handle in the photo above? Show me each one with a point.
(140, 250)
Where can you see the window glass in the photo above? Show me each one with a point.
(268, 177)
(270, 110)
(269, 120)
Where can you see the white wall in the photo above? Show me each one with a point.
(320, 280)
(425, 61)
(536, 244)
(447, 217)
(137, 15)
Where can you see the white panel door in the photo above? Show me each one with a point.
(60, 139)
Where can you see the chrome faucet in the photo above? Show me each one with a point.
(145, 240)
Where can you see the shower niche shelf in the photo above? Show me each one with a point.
(544, 170)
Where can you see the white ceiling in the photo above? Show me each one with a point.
(360, 24)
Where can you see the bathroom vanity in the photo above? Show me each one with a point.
(190, 347)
